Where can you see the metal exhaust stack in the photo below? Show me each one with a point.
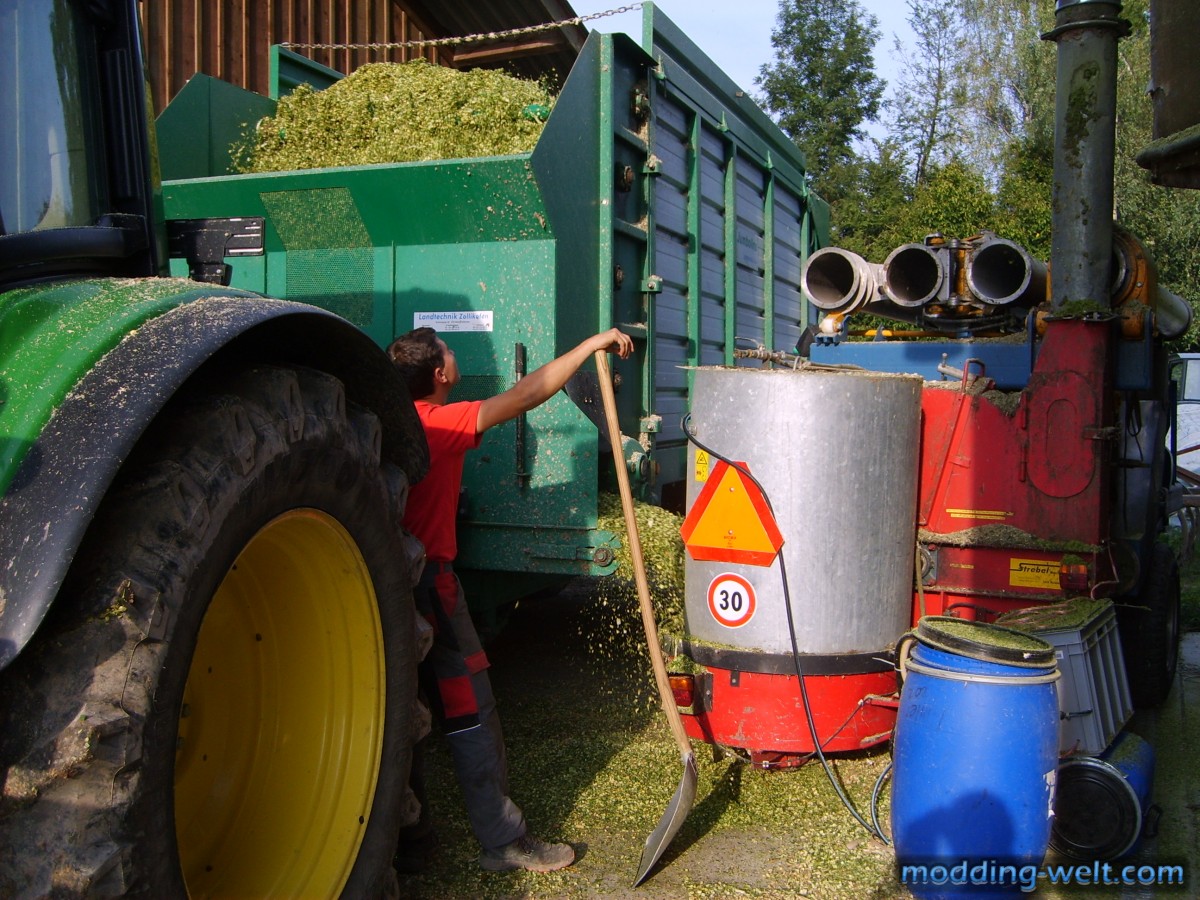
(1086, 32)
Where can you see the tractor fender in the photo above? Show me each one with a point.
(66, 471)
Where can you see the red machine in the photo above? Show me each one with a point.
(1014, 489)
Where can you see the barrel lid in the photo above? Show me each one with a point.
(1097, 813)
(984, 641)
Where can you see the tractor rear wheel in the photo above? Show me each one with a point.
(224, 706)
(1149, 627)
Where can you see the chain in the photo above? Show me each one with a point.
(470, 38)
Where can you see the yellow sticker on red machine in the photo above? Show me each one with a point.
(1033, 573)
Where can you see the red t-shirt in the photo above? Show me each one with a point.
(433, 501)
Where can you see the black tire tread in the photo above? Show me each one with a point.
(79, 699)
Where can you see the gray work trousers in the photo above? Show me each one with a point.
(455, 680)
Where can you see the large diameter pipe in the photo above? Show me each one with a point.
(1001, 273)
(1135, 279)
(1172, 314)
(1086, 32)
(913, 274)
(838, 280)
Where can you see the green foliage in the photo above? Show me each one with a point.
(876, 187)
(398, 112)
(955, 201)
(1008, 78)
(822, 86)
(928, 100)
(1023, 212)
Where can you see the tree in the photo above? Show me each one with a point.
(1009, 74)
(928, 102)
(863, 218)
(822, 86)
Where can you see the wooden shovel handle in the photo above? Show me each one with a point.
(635, 553)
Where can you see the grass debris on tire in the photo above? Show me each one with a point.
(221, 703)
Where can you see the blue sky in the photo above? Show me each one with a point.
(737, 35)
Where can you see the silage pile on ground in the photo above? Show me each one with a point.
(398, 112)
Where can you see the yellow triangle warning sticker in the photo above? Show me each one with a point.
(731, 521)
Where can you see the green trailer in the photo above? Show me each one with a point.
(659, 199)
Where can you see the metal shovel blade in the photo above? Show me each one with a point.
(677, 810)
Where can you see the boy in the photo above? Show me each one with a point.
(455, 671)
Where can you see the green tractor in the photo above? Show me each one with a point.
(207, 639)
(207, 644)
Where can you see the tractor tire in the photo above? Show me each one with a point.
(1149, 629)
(222, 702)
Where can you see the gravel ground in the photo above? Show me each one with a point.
(592, 762)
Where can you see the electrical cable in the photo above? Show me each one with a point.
(787, 602)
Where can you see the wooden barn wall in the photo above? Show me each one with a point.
(229, 39)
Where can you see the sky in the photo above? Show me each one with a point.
(737, 35)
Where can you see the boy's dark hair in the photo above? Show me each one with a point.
(417, 356)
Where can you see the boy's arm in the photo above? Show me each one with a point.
(543, 383)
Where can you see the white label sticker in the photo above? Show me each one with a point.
(457, 320)
(731, 600)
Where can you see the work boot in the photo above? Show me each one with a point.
(527, 852)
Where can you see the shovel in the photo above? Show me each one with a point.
(685, 794)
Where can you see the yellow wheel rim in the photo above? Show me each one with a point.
(281, 729)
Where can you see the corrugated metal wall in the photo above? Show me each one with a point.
(228, 39)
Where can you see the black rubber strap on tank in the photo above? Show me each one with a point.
(784, 663)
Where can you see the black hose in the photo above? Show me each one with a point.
(787, 601)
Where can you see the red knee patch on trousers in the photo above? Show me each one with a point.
(458, 697)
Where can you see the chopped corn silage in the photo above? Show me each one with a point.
(617, 637)
(398, 112)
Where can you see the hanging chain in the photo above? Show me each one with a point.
(470, 38)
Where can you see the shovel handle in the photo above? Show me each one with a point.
(639, 565)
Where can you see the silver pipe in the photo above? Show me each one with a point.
(1172, 314)
(1001, 272)
(1086, 32)
(913, 274)
(839, 280)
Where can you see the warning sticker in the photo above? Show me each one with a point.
(701, 466)
(731, 600)
(730, 521)
(1033, 573)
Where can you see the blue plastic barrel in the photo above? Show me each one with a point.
(1103, 804)
(974, 759)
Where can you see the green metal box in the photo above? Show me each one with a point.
(527, 255)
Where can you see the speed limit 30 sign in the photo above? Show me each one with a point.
(731, 600)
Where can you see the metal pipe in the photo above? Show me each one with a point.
(913, 274)
(838, 280)
(1086, 32)
(1172, 314)
(1001, 272)
(1135, 279)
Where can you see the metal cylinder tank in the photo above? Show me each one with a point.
(834, 453)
